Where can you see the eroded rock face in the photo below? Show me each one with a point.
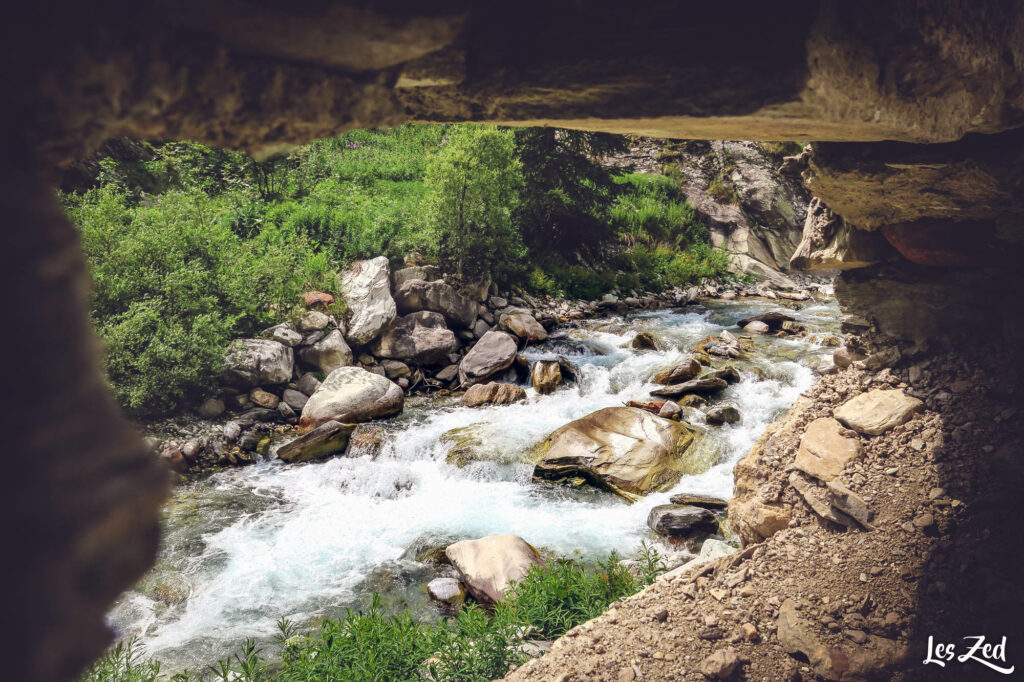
(421, 338)
(624, 449)
(831, 243)
(351, 394)
(489, 565)
(416, 294)
(258, 362)
(366, 286)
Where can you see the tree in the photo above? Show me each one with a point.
(563, 207)
(473, 188)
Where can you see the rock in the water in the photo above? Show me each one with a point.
(448, 374)
(824, 450)
(652, 406)
(523, 325)
(756, 327)
(721, 664)
(699, 500)
(366, 286)
(489, 565)
(352, 394)
(264, 398)
(728, 374)
(493, 393)
(774, 320)
(546, 376)
(684, 371)
(448, 591)
(702, 385)
(624, 449)
(327, 354)
(644, 341)
(416, 294)
(877, 411)
(366, 441)
(722, 414)
(674, 519)
(670, 410)
(211, 408)
(258, 362)
(491, 354)
(420, 338)
(312, 321)
(327, 439)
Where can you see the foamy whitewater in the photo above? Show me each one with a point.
(247, 546)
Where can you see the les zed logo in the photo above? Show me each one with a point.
(981, 651)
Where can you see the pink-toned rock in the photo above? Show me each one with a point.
(317, 299)
(824, 450)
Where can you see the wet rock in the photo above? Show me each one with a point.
(366, 441)
(626, 450)
(877, 411)
(211, 408)
(756, 327)
(366, 286)
(702, 385)
(257, 362)
(448, 591)
(491, 354)
(329, 438)
(699, 500)
(721, 664)
(493, 393)
(420, 338)
(439, 297)
(327, 354)
(774, 320)
(524, 326)
(728, 374)
(684, 371)
(825, 450)
(674, 519)
(692, 401)
(545, 376)
(722, 414)
(312, 321)
(352, 394)
(644, 341)
(488, 566)
(264, 398)
(652, 406)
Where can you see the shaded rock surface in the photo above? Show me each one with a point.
(352, 394)
(491, 354)
(366, 286)
(421, 338)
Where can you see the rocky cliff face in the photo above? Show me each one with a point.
(753, 211)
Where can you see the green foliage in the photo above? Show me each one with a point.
(475, 645)
(723, 190)
(473, 186)
(780, 149)
(650, 210)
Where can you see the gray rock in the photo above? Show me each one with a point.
(673, 519)
(493, 353)
(699, 500)
(701, 385)
(722, 414)
(311, 338)
(327, 439)
(480, 327)
(328, 354)
(295, 399)
(448, 591)
(497, 302)
(286, 411)
(448, 374)
(307, 383)
(258, 362)
(211, 408)
(395, 369)
(366, 286)
(352, 394)
(418, 295)
(425, 272)
(670, 410)
(232, 430)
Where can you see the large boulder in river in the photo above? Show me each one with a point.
(366, 286)
(258, 362)
(773, 320)
(327, 439)
(677, 519)
(351, 394)
(703, 385)
(494, 352)
(439, 297)
(523, 325)
(420, 338)
(545, 376)
(683, 371)
(493, 393)
(488, 566)
(327, 354)
(624, 449)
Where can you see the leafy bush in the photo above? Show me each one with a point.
(650, 210)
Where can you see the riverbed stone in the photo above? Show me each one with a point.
(307, 383)
(258, 362)
(488, 566)
(524, 326)
(670, 410)
(327, 354)
(494, 352)
(366, 441)
(439, 297)
(264, 398)
(421, 338)
(493, 393)
(211, 408)
(644, 341)
(722, 414)
(312, 321)
(448, 591)
(675, 520)
(624, 449)
(773, 319)
(703, 385)
(295, 399)
(756, 327)
(366, 286)
(825, 450)
(329, 438)
(395, 369)
(875, 412)
(683, 371)
(545, 376)
(352, 394)
(699, 500)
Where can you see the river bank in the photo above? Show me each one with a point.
(245, 546)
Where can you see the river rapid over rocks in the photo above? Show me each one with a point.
(247, 546)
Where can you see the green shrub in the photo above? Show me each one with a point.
(650, 210)
(124, 662)
(578, 281)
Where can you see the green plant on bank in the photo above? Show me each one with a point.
(476, 644)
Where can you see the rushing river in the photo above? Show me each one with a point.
(247, 546)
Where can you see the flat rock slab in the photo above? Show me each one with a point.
(702, 385)
(325, 440)
(875, 412)
(824, 450)
(675, 519)
(699, 500)
(493, 393)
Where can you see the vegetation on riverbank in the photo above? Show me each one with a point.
(191, 246)
(476, 644)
